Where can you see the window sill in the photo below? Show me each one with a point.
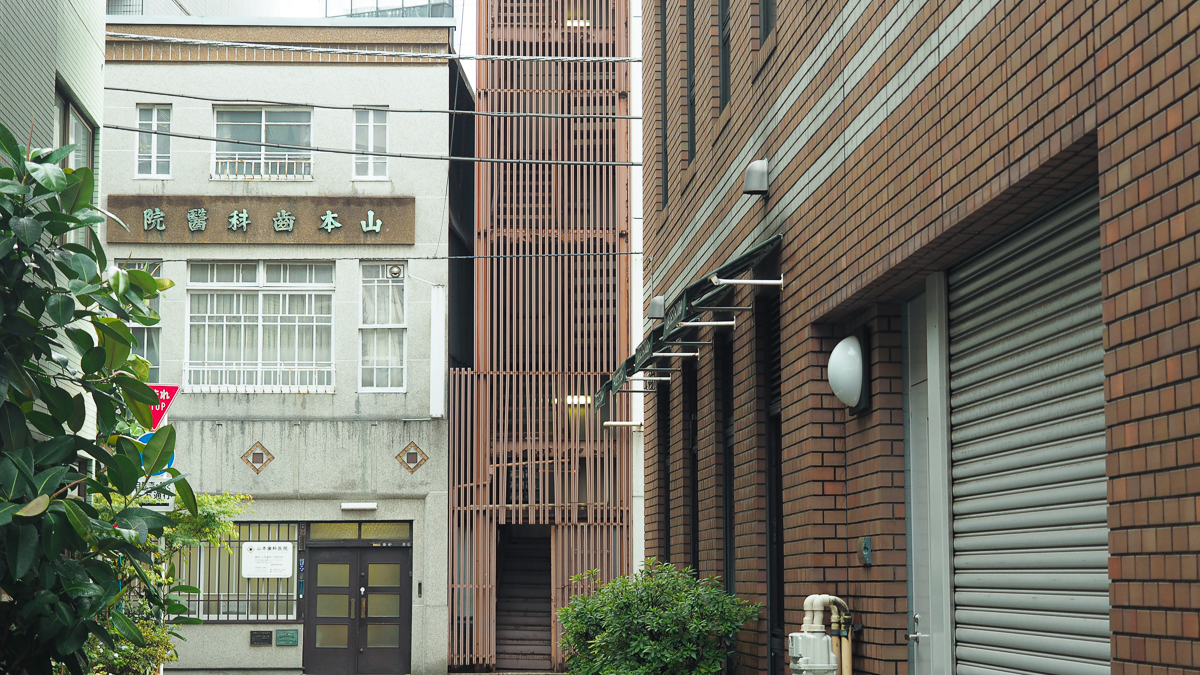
(236, 389)
(370, 179)
(380, 390)
(762, 56)
(167, 177)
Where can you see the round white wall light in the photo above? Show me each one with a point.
(848, 373)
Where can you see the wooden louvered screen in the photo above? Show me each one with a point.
(551, 313)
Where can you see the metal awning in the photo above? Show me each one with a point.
(699, 294)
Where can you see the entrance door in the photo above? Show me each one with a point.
(359, 611)
(927, 466)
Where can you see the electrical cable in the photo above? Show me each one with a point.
(369, 52)
(370, 107)
(408, 258)
(368, 153)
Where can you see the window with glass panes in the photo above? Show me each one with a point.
(370, 135)
(225, 595)
(154, 150)
(239, 129)
(260, 326)
(382, 330)
(147, 338)
(74, 129)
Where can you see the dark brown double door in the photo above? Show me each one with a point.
(358, 611)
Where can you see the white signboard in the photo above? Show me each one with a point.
(267, 559)
(157, 501)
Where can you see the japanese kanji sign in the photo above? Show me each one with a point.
(234, 219)
(166, 396)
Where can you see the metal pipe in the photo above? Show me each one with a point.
(717, 281)
(669, 354)
(691, 324)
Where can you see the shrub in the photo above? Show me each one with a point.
(660, 621)
(67, 564)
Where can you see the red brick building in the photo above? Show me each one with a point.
(999, 199)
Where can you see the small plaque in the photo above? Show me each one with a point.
(287, 637)
(259, 638)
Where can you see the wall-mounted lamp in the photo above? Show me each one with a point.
(848, 370)
(717, 281)
(359, 506)
(670, 354)
(757, 178)
(691, 324)
(657, 309)
(636, 426)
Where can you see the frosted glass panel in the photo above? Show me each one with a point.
(383, 636)
(332, 636)
(333, 575)
(383, 574)
(333, 606)
(383, 604)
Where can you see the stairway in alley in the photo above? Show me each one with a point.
(523, 629)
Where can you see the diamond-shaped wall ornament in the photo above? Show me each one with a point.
(257, 457)
(412, 457)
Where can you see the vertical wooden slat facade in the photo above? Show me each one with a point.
(551, 313)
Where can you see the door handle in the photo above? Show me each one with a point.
(353, 605)
(363, 613)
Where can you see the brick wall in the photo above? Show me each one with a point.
(1038, 100)
(1148, 127)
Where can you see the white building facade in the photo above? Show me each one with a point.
(311, 326)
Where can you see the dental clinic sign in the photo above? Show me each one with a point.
(276, 219)
(267, 559)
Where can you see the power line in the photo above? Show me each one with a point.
(369, 52)
(368, 153)
(370, 107)
(457, 257)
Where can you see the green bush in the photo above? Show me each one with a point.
(127, 658)
(72, 388)
(660, 621)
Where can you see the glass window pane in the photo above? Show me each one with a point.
(333, 575)
(164, 114)
(145, 114)
(323, 274)
(383, 635)
(386, 530)
(383, 574)
(240, 116)
(303, 116)
(360, 137)
(223, 272)
(360, 117)
(333, 606)
(143, 167)
(334, 531)
(383, 604)
(332, 636)
(198, 273)
(274, 274)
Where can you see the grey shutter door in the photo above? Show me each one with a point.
(1027, 452)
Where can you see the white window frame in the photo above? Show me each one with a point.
(264, 152)
(375, 326)
(154, 269)
(260, 286)
(371, 111)
(155, 156)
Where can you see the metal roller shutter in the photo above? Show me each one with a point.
(1027, 452)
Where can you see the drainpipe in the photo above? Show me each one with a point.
(812, 650)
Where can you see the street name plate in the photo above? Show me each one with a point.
(267, 559)
(287, 637)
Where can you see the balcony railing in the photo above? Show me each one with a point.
(272, 166)
(389, 9)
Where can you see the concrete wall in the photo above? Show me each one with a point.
(327, 448)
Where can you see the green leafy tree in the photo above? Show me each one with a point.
(659, 621)
(61, 574)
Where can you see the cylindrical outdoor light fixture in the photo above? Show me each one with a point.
(849, 372)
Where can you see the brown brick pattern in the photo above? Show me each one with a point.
(1147, 109)
(1042, 99)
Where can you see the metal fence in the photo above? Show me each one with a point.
(272, 166)
(224, 594)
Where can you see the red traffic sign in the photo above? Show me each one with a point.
(166, 396)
